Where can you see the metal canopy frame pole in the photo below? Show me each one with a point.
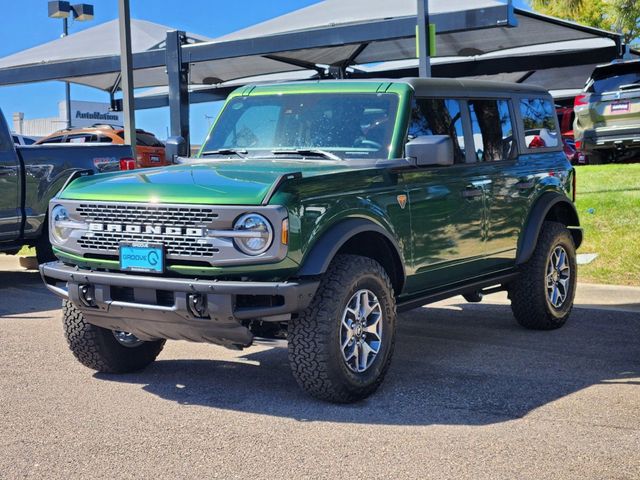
(126, 74)
(178, 78)
(422, 44)
(67, 85)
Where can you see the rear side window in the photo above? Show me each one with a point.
(28, 141)
(79, 138)
(539, 118)
(54, 140)
(492, 130)
(437, 116)
(148, 140)
(143, 139)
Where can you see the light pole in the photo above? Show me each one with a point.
(81, 12)
(126, 74)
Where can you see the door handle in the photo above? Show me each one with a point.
(472, 192)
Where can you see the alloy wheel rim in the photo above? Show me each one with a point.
(127, 339)
(557, 277)
(361, 331)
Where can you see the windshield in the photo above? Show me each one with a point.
(347, 125)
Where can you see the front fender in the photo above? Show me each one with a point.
(324, 250)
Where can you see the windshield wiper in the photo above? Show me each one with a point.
(226, 151)
(310, 152)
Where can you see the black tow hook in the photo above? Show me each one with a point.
(87, 295)
(197, 304)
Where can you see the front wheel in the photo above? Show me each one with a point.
(105, 350)
(340, 347)
(542, 295)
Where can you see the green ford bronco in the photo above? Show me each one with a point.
(313, 213)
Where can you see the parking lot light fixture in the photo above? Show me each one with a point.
(59, 9)
(83, 12)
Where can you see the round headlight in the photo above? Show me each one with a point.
(59, 217)
(255, 234)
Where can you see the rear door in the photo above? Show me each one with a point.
(529, 123)
(10, 212)
(494, 154)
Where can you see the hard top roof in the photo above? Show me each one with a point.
(422, 86)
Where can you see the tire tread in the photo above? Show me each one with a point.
(96, 347)
(528, 306)
(309, 334)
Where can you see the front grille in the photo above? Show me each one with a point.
(177, 216)
(178, 246)
(103, 242)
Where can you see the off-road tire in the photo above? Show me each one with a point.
(529, 301)
(314, 337)
(96, 347)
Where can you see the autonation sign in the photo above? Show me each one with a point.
(86, 114)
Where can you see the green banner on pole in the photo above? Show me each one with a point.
(432, 40)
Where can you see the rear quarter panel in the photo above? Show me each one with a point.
(47, 167)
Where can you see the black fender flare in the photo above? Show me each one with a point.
(325, 249)
(540, 210)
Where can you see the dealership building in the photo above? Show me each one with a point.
(83, 114)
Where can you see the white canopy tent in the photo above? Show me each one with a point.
(564, 79)
(329, 38)
(463, 43)
(355, 19)
(100, 41)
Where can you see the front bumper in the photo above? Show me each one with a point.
(154, 307)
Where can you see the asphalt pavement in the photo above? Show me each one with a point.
(469, 395)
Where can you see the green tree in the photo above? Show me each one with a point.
(621, 16)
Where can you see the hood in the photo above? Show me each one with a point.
(221, 182)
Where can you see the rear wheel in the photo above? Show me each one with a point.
(340, 347)
(542, 295)
(106, 350)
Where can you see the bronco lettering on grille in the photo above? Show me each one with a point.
(147, 229)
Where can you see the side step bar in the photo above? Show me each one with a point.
(497, 283)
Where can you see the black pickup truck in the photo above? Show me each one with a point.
(31, 175)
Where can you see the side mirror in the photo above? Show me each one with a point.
(430, 150)
(175, 147)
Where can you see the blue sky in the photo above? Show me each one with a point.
(26, 24)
